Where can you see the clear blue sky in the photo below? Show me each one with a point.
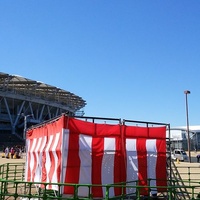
(128, 59)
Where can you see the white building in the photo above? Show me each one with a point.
(179, 137)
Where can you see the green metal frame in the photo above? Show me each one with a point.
(13, 186)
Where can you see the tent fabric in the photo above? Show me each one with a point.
(70, 150)
(44, 157)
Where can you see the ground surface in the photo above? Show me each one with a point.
(184, 164)
(183, 167)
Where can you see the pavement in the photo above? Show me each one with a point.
(6, 160)
(193, 163)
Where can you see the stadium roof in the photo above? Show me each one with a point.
(36, 89)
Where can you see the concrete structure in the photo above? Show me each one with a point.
(25, 102)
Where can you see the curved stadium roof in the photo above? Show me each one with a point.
(18, 85)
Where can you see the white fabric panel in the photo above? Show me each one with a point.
(54, 177)
(27, 157)
(151, 162)
(37, 177)
(64, 150)
(108, 164)
(85, 148)
(132, 164)
(39, 167)
(32, 160)
(48, 161)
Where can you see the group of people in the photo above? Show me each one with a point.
(12, 152)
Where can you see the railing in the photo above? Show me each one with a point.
(28, 190)
(12, 171)
(189, 173)
(13, 186)
(190, 177)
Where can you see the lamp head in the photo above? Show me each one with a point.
(186, 92)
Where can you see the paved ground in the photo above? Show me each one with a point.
(183, 167)
(193, 161)
(5, 160)
(178, 164)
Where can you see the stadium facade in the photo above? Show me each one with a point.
(25, 102)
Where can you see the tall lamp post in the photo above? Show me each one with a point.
(25, 125)
(186, 92)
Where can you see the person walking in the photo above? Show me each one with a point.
(198, 158)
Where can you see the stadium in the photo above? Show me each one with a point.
(25, 102)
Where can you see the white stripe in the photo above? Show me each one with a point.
(65, 147)
(44, 140)
(132, 164)
(27, 157)
(48, 161)
(55, 175)
(108, 164)
(37, 177)
(64, 154)
(85, 146)
(151, 162)
(32, 161)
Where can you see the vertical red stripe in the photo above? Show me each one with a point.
(97, 156)
(73, 163)
(142, 165)
(161, 173)
(123, 157)
(118, 166)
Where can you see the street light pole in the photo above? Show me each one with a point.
(25, 125)
(186, 92)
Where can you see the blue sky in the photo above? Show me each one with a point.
(128, 59)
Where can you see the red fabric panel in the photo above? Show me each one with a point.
(89, 128)
(135, 132)
(145, 132)
(97, 156)
(119, 167)
(106, 130)
(161, 174)
(36, 132)
(142, 165)
(73, 162)
(80, 126)
(157, 133)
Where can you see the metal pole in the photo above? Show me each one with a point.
(187, 119)
(25, 125)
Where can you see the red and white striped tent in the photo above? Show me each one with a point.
(71, 150)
